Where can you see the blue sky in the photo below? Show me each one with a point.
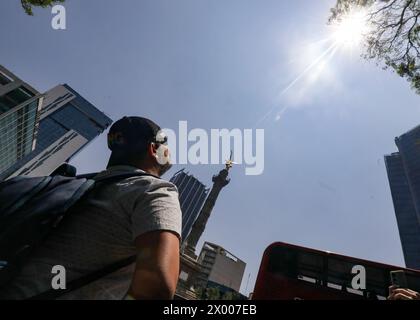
(222, 64)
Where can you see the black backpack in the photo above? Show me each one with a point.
(30, 208)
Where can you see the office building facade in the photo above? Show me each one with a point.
(67, 123)
(408, 225)
(20, 106)
(403, 170)
(192, 194)
(409, 148)
(218, 266)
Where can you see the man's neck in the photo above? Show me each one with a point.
(152, 171)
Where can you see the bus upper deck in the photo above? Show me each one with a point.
(290, 272)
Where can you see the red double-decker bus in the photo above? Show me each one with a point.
(290, 272)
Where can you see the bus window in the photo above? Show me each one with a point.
(289, 272)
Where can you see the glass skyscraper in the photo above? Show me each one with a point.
(67, 123)
(192, 194)
(20, 105)
(403, 170)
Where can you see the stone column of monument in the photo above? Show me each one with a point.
(219, 181)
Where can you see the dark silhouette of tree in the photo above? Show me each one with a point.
(27, 5)
(200, 292)
(228, 296)
(213, 293)
(393, 39)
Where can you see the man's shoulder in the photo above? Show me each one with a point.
(135, 180)
(148, 182)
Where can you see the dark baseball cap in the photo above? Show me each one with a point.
(133, 131)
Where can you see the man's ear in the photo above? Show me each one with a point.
(152, 150)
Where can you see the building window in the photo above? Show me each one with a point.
(14, 98)
(183, 276)
(4, 79)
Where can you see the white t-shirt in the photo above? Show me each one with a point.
(99, 231)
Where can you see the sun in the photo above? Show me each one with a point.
(352, 28)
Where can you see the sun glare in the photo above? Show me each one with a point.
(351, 29)
(348, 33)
